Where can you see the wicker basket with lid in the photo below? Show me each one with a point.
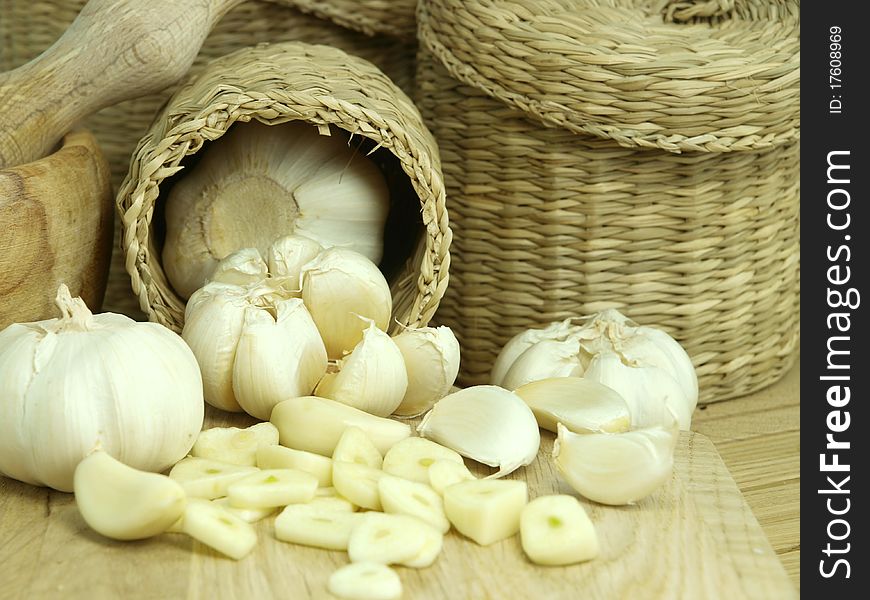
(631, 154)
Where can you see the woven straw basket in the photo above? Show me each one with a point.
(275, 84)
(632, 154)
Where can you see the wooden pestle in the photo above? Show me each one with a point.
(113, 51)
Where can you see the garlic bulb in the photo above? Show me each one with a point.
(582, 405)
(517, 345)
(287, 256)
(616, 468)
(485, 423)
(258, 183)
(242, 267)
(81, 381)
(339, 286)
(255, 347)
(432, 360)
(371, 378)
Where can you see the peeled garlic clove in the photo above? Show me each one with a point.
(233, 445)
(444, 473)
(616, 468)
(545, 359)
(372, 378)
(204, 478)
(243, 267)
(432, 361)
(248, 515)
(555, 530)
(486, 510)
(650, 392)
(354, 446)
(312, 526)
(388, 539)
(582, 405)
(217, 528)
(272, 488)
(124, 503)
(339, 286)
(404, 497)
(412, 457)
(358, 483)
(517, 345)
(316, 424)
(485, 423)
(279, 457)
(287, 256)
(365, 581)
(278, 356)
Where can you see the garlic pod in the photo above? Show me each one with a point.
(616, 468)
(243, 267)
(432, 361)
(83, 380)
(371, 378)
(544, 359)
(517, 345)
(485, 423)
(582, 405)
(650, 392)
(339, 286)
(287, 256)
(258, 183)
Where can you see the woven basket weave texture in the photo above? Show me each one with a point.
(275, 84)
(639, 155)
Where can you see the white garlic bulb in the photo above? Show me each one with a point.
(82, 381)
(432, 360)
(287, 256)
(258, 183)
(517, 345)
(243, 267)
(542, 360)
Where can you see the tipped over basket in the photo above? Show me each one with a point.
(277, 84)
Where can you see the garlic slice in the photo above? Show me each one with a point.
(486, 510)
(124, 503)
(616, 468)
(390, 539)
(582, 405)
(358, 483)
(208, 479)
(279, 457)
(485, 423)
(354, 446)
(372, 378)
(431, 356)
(243, 267)
(517, 345)
(315, 425)
(272, 488)
(555, 530)
(248, 515)
(365, 581)
(547, 358)
(444, 473)
(233, 445)
(412, 457)
(217, 528)
(312, 526)
(403, 497)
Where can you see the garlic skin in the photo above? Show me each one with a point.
(339, 286)
(431, 357)
(582, 405)
(544, 359)
(83, 380)
(243, 267)
(258, 183)
(485, 423)
(616, 468)
(517, 345)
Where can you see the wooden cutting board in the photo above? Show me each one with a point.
(695, 538)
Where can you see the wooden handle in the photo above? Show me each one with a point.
(113, 51)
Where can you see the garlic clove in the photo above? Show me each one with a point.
(412, 457)
(279, 355)
(389, 539)
(272, 488)
(354, 446)
(208, 479)
(616, 468)
(404, 497)
(582, 405)
(243, 267)
(372, 378)
(431, 356)
(315, 425)
(279, 457)
(544, 359)
(358, 483)
(246, 514)
(233, 445)
(486, 510)
(312, 526)
(485, 423)
(287, 256)
(218, 528)
(517, 345)
(444, 473)
(331, 504)
(339, 286)
(124, 503)
(365, 581)
(555, 530)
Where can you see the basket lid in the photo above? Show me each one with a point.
(680, 75)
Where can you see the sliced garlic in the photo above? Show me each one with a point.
(485, 423)
(287, 256)
(390, 539)
(517, 345)
(547, 358)
(331, 503)
(365, 581)
(354, 446)
(312, 526)
(233, 445)
(279, 457)
(486, 510)
(432, 361)
(248, 515)
(555, 530)
(339, 286)
(316, 424)
(581, 405)
(404, 497)
(358, 483)
(432, 546)
(444, 473)
(204, 478)
(124, 503)
(372, 378)
(243, 267)
(616, 468)
(217, 528)
(412, 457)
(272, 488)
